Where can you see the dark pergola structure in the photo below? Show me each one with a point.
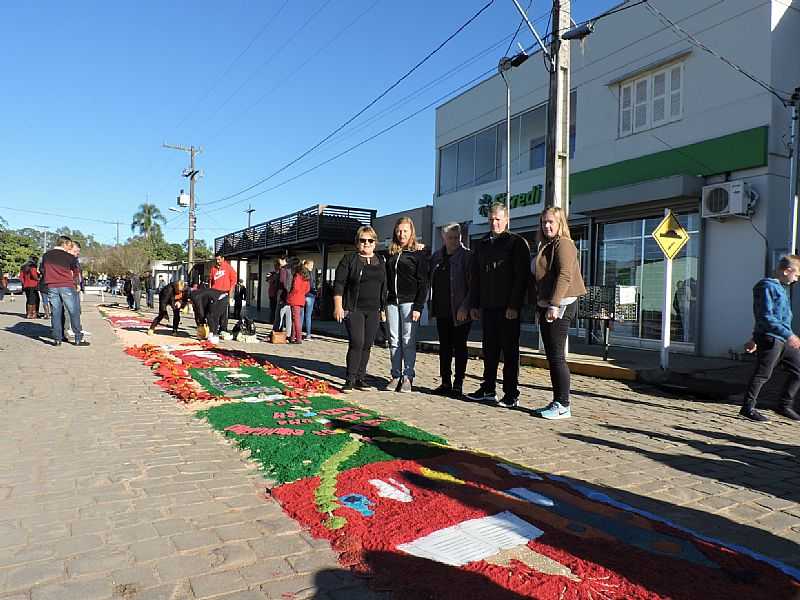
(317, 228)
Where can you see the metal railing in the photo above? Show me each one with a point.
(336, 224)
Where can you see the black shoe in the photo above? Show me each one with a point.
(457, 392)
(443, 390)
(753, 415)
(788, 412)
(482, 395)
(348, 386)
(507, 402)
(360, 385)
(174, 332)
(56, 342)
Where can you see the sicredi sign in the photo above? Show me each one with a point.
(524, 204)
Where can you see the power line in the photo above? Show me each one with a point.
(50, 214)
(253, 40)
(269, 59)
(677, 28)
(362, 111)
(296, 69)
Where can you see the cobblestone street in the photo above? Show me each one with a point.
(109, 488)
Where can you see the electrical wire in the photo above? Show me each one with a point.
(51, 214)
(681, 31)
(295, 69)
(227, 70)
(360, 112)
(270, 58)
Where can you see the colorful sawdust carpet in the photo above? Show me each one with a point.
(426, 520)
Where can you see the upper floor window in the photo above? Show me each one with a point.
(481, 157)
(651, 100)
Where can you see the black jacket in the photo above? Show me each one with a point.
(348, 278)
(407, 278)
(500, 272)
(166, 297)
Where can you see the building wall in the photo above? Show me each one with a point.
(717, 101)
(423, 224)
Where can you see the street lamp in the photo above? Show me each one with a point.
(506, 64)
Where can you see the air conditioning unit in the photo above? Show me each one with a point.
(725, 199)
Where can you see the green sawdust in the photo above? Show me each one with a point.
(325, 494)
(222, 381)
(289, 458)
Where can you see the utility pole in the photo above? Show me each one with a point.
(117, 224)
(192, 174)
(556, 178)
(250, 210)
(794, 103)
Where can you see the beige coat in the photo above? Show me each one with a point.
(557, 274)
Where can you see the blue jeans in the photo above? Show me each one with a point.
(305, 314)
(71, 301)
(150, 298)
(402, 340)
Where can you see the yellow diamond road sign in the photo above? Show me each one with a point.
(670, 236)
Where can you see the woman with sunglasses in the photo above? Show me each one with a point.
(359, 299)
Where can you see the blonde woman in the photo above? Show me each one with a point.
(311, 298)
(558, 284)
(407, 291)
(359, 299)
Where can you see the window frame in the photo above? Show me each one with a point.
(668, 97)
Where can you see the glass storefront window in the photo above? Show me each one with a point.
(628, 255)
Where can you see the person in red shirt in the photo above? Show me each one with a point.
(29, 275)
(296, 299)
(223, 279)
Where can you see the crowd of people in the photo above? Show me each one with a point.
(488, 283)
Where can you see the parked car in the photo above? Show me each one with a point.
(14, 286)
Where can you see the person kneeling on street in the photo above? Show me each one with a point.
(175, 295)
(773, 340)
(209, 307)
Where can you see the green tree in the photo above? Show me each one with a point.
(201, 250)
(15, 249)
(86, 240)
(147, 220)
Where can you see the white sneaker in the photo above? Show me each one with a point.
(213, 338)
(556, 411)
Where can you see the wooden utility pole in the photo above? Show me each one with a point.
(192, 174)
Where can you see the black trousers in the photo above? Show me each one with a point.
(32, 297)
(162, 314)
(223, 314)
(770, 352)
(554, 337)
(209, 308)
(452, 342)
(500, 335)
(361, 327)
(237, 310)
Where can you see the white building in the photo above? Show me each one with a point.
(654, 120)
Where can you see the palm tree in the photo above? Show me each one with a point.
(147, 220)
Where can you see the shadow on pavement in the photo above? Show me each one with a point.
(744, 467)
(622, 542)
(33, 330)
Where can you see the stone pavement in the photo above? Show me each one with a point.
(110, 489)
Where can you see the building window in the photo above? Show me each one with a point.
(651, 100)
(481, 158)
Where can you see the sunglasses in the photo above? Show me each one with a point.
(366, 241)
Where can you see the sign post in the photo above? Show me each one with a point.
(671, 237)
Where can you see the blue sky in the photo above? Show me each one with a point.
(92, 89)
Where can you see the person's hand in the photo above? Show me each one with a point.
(338, 314)
(420, 246)
(793, 342)
(415, 315)
(383, 316)
(462, 314)
(512, 313)
(750, 346)
(475, 314)
(551, 314)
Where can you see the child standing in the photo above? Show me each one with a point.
(773, 339)
(296, 299)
